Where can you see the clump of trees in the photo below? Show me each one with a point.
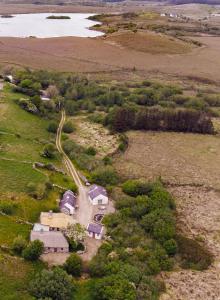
(53, 284)
(123, 119)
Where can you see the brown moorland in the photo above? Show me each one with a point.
(189, 165)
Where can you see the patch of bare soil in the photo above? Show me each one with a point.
(95, 135)
(150, 42)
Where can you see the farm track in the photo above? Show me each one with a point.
(67, 162)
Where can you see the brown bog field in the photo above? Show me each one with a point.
(102, 55)
(189, 165)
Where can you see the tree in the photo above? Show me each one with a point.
(75, 232)
(52, 127)
(73, 265)
(49, 151)
(68, 127)
(113, 287)
(19, 244)
(54, 284)
(33, 251)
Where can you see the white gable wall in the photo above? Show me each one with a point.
(100, 199)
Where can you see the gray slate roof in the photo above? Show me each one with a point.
(50, 238)
(96, 190)
(95, 228)
(68, 197)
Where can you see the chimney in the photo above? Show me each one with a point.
(50, 214)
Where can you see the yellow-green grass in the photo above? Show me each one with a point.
(17, 175)
(22, 134)
(14, 276)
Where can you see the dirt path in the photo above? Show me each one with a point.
(84, 213)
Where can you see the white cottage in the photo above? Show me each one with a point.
(98, 195)
(95, 231)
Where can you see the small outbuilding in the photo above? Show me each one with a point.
(39, 227)
(54, 241)
(98, 195)
(68, 203)
(95, 231)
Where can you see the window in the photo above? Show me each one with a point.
(99, 201)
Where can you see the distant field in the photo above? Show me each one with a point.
(177, 157)
(150, 43)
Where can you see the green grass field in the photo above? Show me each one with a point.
(22, 138)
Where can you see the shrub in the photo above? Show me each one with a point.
(170, 246)
(52, 127)
(105, 176)
(52, 284)
(68, 127)
(33, 251)
(73, 265)
(135, 187)
(90, 151)
(49, 151)
(7, 207)
(19, 244)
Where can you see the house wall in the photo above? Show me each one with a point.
(96, 236)
(95, 201)
(56, 250)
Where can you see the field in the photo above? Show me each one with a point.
(95, 135)
(188, 164)
(22, 138)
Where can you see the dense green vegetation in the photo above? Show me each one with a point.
(58, 17)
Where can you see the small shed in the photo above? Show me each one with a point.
(54, 241)
(98, 195)
(95, 231)
(41, 227)
(68, 203)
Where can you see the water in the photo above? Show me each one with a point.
(37, 25)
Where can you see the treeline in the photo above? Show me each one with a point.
(123, 119)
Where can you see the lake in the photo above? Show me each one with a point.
(37, 25)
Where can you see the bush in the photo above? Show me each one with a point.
(68, 127)
(49, 151)
(90, 151)
(170, 246)
(73, 265)
(105, 176)
(135, 188)
(52, 127)
(7, 207)
(52, 284)
(19, 244)
(33, 251)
